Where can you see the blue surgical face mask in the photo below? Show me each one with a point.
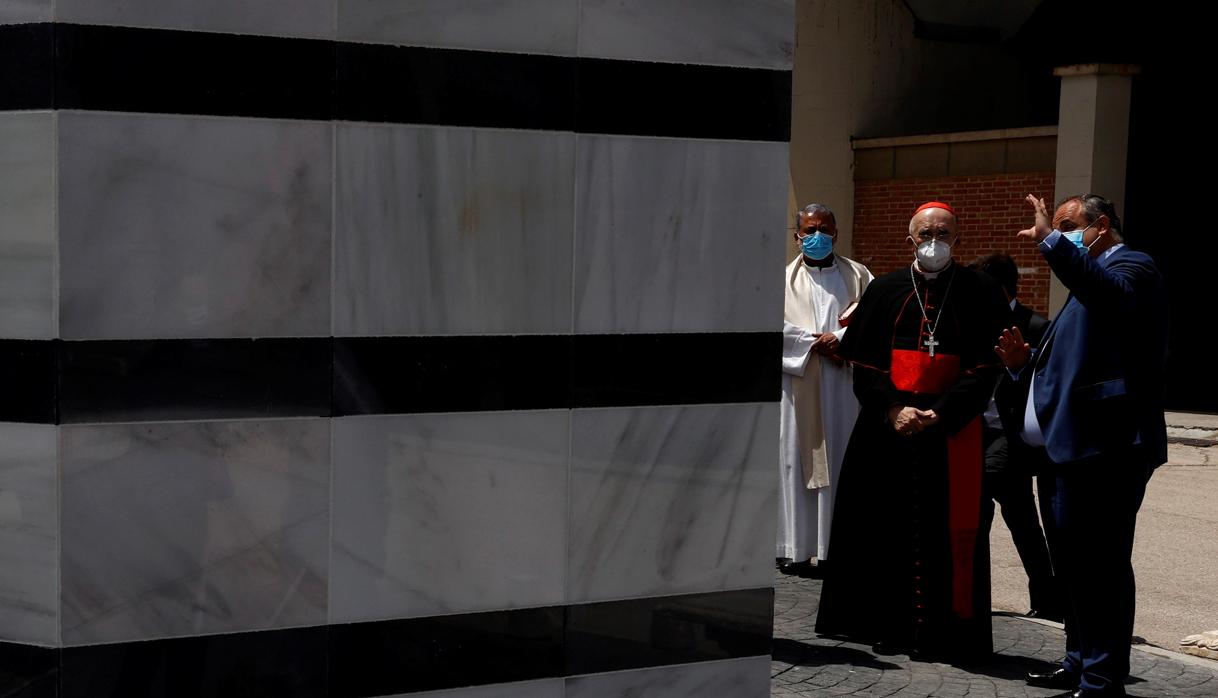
(1076, 237)
(816, 246)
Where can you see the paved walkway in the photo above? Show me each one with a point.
(805, 665)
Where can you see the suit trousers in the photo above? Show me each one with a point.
(1009, 469)
(1095, 507)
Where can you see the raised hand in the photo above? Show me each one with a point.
(1042, 223)
(1012, 349)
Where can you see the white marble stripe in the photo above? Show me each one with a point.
(299, 18)
(29, 534)
(671, 500)
(193, 226)
(448, 513)
(178, 529)
(747, 677)
(27, 225)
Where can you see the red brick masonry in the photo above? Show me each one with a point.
(991, 210)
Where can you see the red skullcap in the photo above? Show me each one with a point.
(934, 204)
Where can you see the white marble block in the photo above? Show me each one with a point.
(753, 34)
(304, 18)
(27, 225)
(453, 231)
(24, 11)
(448, 513)
(671, 500)
(679, 235)
(174, 226)
(523, 26)
(732, 678)
(29, 526)
(193, 528)
(550, 688)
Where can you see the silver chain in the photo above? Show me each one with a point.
(931, 327)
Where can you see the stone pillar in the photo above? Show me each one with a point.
(1092, 138)
(371, 347)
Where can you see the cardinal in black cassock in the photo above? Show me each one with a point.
(910, 571)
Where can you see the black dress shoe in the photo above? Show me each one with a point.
(1086, 693)
(1058, 678)
(887, 648)
(797, 568)
(1045, 614)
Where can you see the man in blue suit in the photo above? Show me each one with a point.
(1090, 397)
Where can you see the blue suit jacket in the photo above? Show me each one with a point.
(1099, 368)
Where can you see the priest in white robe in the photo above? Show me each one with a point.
(818, 404)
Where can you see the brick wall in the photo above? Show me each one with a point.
(990, 208)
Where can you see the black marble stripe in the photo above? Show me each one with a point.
(28, 672)
(405, 656)
(453, 374)
(178, 72)
(622, 370)
(409, 84)
(691, 101)
(98, 381)
(69, 66)
(426, 654)
(639, 633)
(145, 380)
(28, 374)
(27, 69)
(242, 665)
(396, 375)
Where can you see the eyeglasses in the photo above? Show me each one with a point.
(928, 235)
(824, 230)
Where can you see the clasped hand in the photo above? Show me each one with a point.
(908, 421)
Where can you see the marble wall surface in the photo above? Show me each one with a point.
(671, 233)
(193, 528)
(174, 227)
(552, 688)
(452, 231)
(27, 225)
(670, 500)
(223, 510)
(22, 11)
(29, 534)
(305, 18)
(738, 678)
(525, 26)
(448, 513)
(755, 34)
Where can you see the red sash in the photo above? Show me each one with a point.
(919, 372)
(964, 511)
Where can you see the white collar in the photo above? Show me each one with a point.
(819, 270)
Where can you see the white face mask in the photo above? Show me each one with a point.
(933, 255)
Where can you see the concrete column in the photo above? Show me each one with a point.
(1092, 138)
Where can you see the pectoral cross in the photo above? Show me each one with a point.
(931, 343)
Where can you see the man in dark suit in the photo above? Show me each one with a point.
(1093, 410)
(1008, 465)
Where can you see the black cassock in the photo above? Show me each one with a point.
(906, 563)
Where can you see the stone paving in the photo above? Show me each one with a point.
(806, 665)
